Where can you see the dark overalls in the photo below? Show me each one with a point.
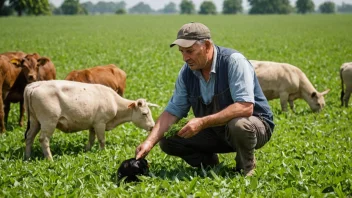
(241, 135)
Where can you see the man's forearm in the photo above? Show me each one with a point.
(161, 126)
(238, 109)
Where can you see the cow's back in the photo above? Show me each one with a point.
(72, 106)
(108, 75)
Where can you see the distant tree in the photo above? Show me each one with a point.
(232, 6)
(141, 8)
(6, 10)
(304, 6)
(104, 7)
(327, 7)
(30, 7)
(55, 10)
(120, 11)
(270, 7)
(72, 7)
(170, 8)
(187, 7)
(344, 8)
(207, 7)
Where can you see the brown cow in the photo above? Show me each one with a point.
(108, 75)
(34, 68)
(8, 75)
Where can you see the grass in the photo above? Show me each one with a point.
(309, 154)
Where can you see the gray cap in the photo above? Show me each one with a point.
(190, 33)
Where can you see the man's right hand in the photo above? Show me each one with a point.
(143, 149)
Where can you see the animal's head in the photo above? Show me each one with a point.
(141, 115)
(30, 65)
(317, 101)
(131, 168)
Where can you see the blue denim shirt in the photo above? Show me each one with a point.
(240, 77)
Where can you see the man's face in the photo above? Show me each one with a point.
(195, 56)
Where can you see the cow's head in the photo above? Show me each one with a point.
(141, 114)
(30, 65)
(317, 102)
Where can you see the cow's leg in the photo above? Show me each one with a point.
(47, 131)
(91, 139)
(30, 136)
(291, 105)
(2, 124)
(283, 100)
(100, 131)
(347, 95)
(7, 106)
(20, 121)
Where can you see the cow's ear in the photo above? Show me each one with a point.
(16, 62)
(132, 105)
(42, 61)
(36, 55)
(325, 92)
(314, 94)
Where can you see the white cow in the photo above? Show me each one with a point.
(346, 78)
(287, 82)
(74, 106)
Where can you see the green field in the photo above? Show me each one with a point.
(309, 154)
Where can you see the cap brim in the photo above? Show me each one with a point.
(183, 43)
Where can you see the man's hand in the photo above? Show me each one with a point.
(143, 149)
(191, 128)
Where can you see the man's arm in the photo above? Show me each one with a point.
(161, 126)
(238, 109)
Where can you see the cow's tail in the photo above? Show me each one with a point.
(26, 96)
(342, 87)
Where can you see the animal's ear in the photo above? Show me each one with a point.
(152, 105)
(132, 105)
(36, 56)
(42, 61)
(314, 94)
(325, 92)
(16, 62)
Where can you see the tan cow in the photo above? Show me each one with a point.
(34, 68)
(287, 82)
(8, 75)
(346, 80)
(108, 75)
(74, 106)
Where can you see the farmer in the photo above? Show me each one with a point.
(231, 111)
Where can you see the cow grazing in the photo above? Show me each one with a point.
(8, 75)
(346, 80)
(34, 68)
(74, 106)
(287, 82)
(108, 75)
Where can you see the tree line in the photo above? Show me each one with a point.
(74, 7)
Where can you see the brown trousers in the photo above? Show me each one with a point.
(241, 135)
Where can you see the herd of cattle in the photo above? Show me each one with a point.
(62, 104)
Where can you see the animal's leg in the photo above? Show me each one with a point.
(2, 123)
(7, 106)
(91, 139)
(347, 95)
(20, 121)
(30, 136)
(283, 100)
(100, 131)
(47, 131)
(291, 105)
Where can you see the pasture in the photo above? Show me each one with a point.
(309, 154)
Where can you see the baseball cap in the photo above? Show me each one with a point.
(190, 33)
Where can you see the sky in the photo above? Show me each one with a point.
(159, 4)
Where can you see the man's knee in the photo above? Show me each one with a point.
(239, 126)
(165, 146)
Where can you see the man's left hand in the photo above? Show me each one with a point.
(191, 128)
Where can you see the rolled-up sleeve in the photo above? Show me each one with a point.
(241, 79)
(178, 104)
